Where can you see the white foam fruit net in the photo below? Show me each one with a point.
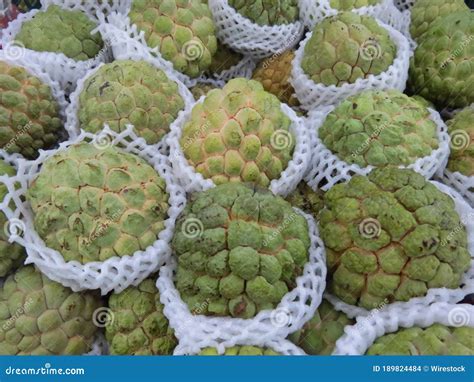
(244, 69)
(60, 68)
(327, 169)
(360, 336)
(247, 37)
(196, 332)
(313, 95)
(72, 122)
(92, 8)
(116, 273)
(461, 183)
(404, 5)
(452, 296)
(193, 181)
(313, 11)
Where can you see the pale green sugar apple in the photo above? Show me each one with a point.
(29, 114)
(461, 132)
(434, 340)
(268, 12)
(239, 250)
(306, 199)
(318, 336)
(348, 5)
(442, 68)
(391, 236)
(346, 47)
(426, 12)
(182, 30)
(240, 350)
(61, 31)
(91, 204)
(238, 134)
(379, 128)
(12, 255)
(41, 317)
(130, 92)
(137, 325)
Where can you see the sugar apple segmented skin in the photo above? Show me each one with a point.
(442, 67)
(461, 131)
(274, 74)
(391, 236)
(239, 250)
(433, 340)
(318, 336)
(425, 13)
(380, 128)
(200, 90)
(41, 317)
(61, 31)
(91, 204)
(137, 324)
(182, 30)
(12, 255)
(130, 92)
(306, 199)
(267, 12)
(349, 5)
(240, 350)
(346, 47)
(238, 134)
(29, 114)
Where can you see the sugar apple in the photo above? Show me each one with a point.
(130, 92)
(461, 131)
(267, 12)
(306, 199)
(182, 30)
(379, 128)
(11, 255)
(426, 12)
(61, 31)
(240, 350)
(29, 114)
(441, 69)
(137, 325)
(41, 317)
(349, 5)
(239, 250)
(346, 47)
(434, 340)
(224, 59)
(274, 74)
(200, 90)
(238, 134)
(91, 204)
(318, 336)
(390, 237)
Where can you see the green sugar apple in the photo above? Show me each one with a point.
(267, 12)
(348, 5)
(461, 131)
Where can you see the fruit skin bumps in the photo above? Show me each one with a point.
(183, 31)
(461, 131)
(130, 92)
(41, 317)
(91, 204)
(240, 350)
(61, 31)
(138, 325)
(346, 47)
(267, 12)
(433, 340)
(239, 250)
(29, 114)
(348, 5)
(238, 134)
(441, 70)
(391, 236)
(379, 128)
